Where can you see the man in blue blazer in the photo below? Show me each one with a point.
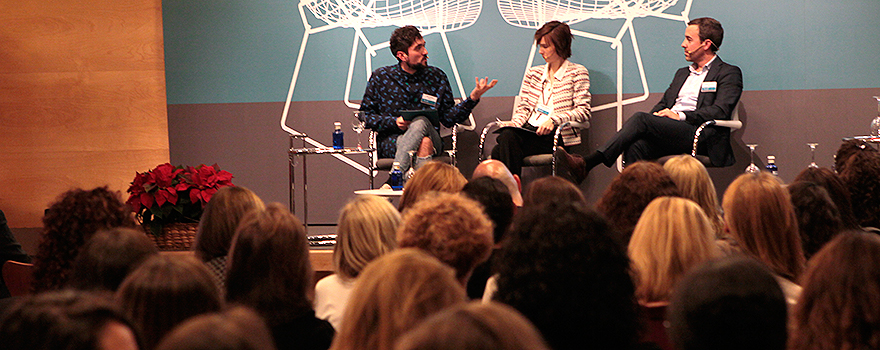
(707, 89)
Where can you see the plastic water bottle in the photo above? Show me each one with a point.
(338, 136)
(395, 178)
(875, 124)
(771, 165)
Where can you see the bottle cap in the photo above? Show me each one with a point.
(771, 159)
(338, 125)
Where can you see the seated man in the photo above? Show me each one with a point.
(413, 85)
(708, 89)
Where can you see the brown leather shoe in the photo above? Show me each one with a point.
(571, 166)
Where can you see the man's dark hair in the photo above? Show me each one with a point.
(496, 201)
(710, 29)
(558, 34)
(402, 38)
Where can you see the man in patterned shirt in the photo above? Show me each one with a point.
(413, 85)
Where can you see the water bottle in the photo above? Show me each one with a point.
(395, 178)
(771, 165)
(337, 135)
(875, 124)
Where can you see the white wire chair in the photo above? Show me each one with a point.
(532, 14)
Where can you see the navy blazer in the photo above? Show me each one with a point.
(719, 105)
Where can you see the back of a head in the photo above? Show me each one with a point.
(450, 227)
(393, 294)
(433, 176)
(367, 229)
(108, 257)
(238, 328)
(269, 268)
(837, 190)
(66, 319)
(631, 191)
(474, 326)
(847, 149)
(496, 169)
(672, 237)
(733, 303)
(694, 183)
(818, 217)
(164, 291)
(496, 201)
(839, 308)
(68, 223)
(552, 188)
(566, 271)
(220, 219)
(760, 216)
(861, 175)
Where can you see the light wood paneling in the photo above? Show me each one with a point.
(82, 99)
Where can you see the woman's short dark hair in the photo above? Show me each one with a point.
(817, 215)
(568, 274)
(108, 257)
(496, 200)
(558, 34)
(861, 174)
(837, 190)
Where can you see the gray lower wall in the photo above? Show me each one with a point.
(246, 139)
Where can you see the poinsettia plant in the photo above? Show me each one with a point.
(174, 194)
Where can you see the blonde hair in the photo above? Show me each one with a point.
(220, 219)
(392, 295)
(367, 229)
(672, 236)
(759, 214)
(433, 176)
(694, 183)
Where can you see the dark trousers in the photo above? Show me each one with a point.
(515, 144)
(645, 136)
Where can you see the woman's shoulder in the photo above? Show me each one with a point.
(576, 67)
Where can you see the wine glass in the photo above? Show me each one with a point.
(358, 126)
(813, 154)
(752, 168)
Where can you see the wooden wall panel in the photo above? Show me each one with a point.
(82, 99)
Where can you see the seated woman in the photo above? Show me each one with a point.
(551, 94)
(367, 230)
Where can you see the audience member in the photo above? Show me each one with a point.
(450, 227)
(818, 218)
(567, 273)
(759, 214)
(269, 271)
(728, 304)
(66, 319)
(839, 307)
(672, 237)
(496, 169)
(163, 292)
(217, 227)
(108, 257)
(435, 176)
(636, 186)
(367, 229)
(238, 328)
(392, 295)
(474, 326)
(68, 223)
(550, 188)
(861, 174)
(847, 149)
(10, 249)
(836, 190)
(694, 183)
(499, 208)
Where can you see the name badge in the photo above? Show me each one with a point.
(429, 100)
(709, 86)
(541, 108)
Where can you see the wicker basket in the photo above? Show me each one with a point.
(177, 236)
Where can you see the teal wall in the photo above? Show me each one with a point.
(226, 51)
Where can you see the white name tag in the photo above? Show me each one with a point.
(429, 100)
(709, 86)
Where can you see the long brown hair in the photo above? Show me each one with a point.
(221, 218)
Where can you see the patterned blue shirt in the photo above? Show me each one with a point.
(391, 90)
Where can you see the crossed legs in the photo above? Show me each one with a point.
(420, 137)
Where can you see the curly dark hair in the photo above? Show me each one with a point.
(846, 150)
(632, 191)
(565, 270)
(68, 223)
(818, 217)
(837, 190)
(861, 174)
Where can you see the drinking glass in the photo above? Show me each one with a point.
(358, 126)
(813, 154)
(752, 168)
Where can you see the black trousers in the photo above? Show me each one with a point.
(645, 136)
(515, 144)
